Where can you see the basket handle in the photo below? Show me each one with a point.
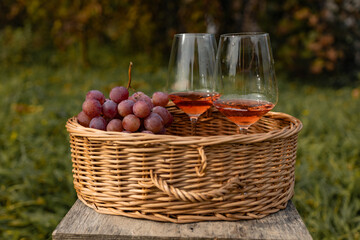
(192, 196)
(200, 171)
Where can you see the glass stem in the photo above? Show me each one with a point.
(243, 130)
(193, 125)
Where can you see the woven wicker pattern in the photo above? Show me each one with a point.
(217, 175)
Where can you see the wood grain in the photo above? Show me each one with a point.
(82, 222)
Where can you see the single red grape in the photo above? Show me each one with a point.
(114, 125)
(92, 107)
(160, 99)
(118, 94)
(154, 123)
(97, 95)
(125, 107)
(98, 123)
(83, 119)
(131, 123)
(140, 96)
(109, 109)
(141, 109)
(136, 96)
(164, 114)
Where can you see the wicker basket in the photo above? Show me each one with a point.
(216, 175)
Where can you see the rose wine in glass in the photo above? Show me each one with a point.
(246, 78)
(191, 84)
(193, 103)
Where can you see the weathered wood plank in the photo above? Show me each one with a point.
(82, 222)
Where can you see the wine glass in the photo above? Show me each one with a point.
(245, 78)
(191, 84)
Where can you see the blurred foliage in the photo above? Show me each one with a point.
(320, 39)
(316, 40)
(327, 193)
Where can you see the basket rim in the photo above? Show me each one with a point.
(294, 126)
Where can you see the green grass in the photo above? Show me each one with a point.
(327, 190)
(36, 187)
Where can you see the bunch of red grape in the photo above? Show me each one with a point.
(121, 113)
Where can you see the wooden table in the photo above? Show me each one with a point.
(82, 222)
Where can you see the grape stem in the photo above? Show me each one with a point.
(129, 82)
